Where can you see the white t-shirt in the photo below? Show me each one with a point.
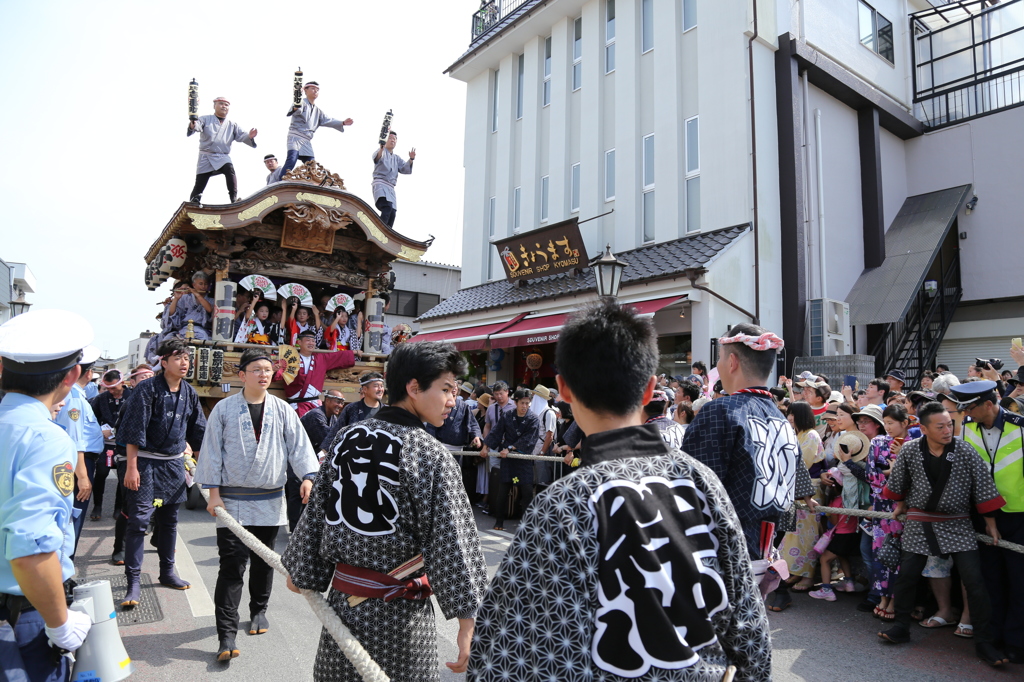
(549, 422)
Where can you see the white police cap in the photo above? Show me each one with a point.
(44, 341)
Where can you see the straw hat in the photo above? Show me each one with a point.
(484, 401)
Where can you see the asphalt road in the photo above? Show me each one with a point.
(813, 640)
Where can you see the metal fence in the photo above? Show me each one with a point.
(491, 13)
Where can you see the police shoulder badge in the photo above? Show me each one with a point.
(64, 478)
(74, 413)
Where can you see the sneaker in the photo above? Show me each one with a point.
(824, 592)
(845, 585)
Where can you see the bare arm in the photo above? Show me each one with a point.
(131, 474)
(41, 579)
(207, 306)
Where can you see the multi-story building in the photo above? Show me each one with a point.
(419, 287)
(137, 349)
(811, 164)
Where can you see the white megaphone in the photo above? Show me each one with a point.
(102, 657)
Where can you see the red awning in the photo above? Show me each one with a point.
(468, 338)
(543, 329)
(653, 306)
(546, 328)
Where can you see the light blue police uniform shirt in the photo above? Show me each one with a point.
(80, 421)
(91, 390)
(37, 477)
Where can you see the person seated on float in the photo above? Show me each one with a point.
(296, 321)
(256, 327)
(190, 304)
(339, 335)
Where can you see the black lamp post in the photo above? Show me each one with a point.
(608, 273)
(20, 306)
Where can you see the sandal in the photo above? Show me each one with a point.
(965, 630)
(877, 613)
(888, 616)
(801, 586)
(935, 622)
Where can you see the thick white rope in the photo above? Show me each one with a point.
(349, 645)
(872, 514)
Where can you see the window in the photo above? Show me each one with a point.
(545, 191)
(649, 161)
(520, 85)
(648, 196)
(493, 216)
(689, 14)
(647, 25)
(875, 32)
(609, 175)
(609, 38)
(692, 128)
(494, 268)
(517, 195)
(692, 146)
(577, 54)
(413, 303)
(575, 203)
(648, 218)
(546, 98)
(494, 104)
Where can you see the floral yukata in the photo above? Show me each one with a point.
(879, 462)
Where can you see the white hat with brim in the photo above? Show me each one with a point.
(90, 354)
(44, 341)
(542, 391)
(871, 411)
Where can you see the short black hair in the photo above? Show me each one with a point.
(367, 377)
(699, 365)
(655, 408)
(520, 394)
(803, 415)
(251, 355)
(925, 412)
(758, 363)
(692, 390)
(269, 156)
(718, 388)
(897, 412)
(33, 385)
(499, 386)
(882, 385)
(424, 362)
(170, 346)
(392, 132)
(262, 304)
(111, 375)
(777, 393)
(565, 408)
(606, 345)
(942, 368)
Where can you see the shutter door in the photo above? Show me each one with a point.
(960, 353)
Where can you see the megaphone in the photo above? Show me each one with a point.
(102, 657)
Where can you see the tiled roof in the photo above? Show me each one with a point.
(655, 261)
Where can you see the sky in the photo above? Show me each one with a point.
(96, 114)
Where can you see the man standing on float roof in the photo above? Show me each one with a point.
(387, 166)
(216, 135)
(37, 477)
(160, 417)
(305, 120)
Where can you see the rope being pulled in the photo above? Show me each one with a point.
(350, 646)
(511, 455)
(871, 514)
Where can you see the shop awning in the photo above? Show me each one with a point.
(467, 338)
(648, 308)
(545, 328)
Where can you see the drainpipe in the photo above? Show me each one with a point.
(693, 273)
(821, 203)
(753, 157)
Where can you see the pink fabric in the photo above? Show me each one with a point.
(767, 341)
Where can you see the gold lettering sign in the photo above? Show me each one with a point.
(543, 252)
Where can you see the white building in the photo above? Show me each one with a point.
(419, 287)
(16, 280)
(735, 142)
(137, 349)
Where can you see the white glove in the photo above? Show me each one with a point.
(70, 635)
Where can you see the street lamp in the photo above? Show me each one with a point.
(608, 273)
(18, 307)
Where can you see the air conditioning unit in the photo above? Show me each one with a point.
(830, 327)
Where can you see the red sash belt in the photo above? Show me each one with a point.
(366, 582)
(933, 517)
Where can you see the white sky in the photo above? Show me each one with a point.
(95, 115)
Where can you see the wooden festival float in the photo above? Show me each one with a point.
(305, 230)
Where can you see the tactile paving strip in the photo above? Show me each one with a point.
(148, 610)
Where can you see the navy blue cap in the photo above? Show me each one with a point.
(897, 374)
(973, 392)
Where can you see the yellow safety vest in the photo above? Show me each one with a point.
(1008, 465)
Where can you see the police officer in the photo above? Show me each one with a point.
(36, 483)
(79, 420)
(998, 436)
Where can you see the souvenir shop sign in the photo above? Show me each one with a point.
(543, 252)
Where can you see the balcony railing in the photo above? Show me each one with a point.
(968, 60)
(491, 13)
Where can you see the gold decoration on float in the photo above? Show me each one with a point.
(205, 221)
(254, 211)
(374, 230)
(330, 202)
(410, 254)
